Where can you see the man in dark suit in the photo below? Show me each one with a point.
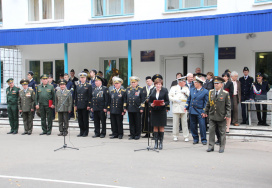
(73, 78)
(196, 105)
(189, 82)
(246, 84)
(175, 82)
(32, 83)
(209, 81)
(105, 82)
(236, 99)
(218, 109)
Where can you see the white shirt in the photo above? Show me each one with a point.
(157, 95)
(235, 92)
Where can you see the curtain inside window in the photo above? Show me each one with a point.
(173, 4)
(47, 9)
(98, 7)
(210, 2)
(113, 7)
(1, 18)
(191, 3)
(128, 6)
(59, 9)
(33, 10)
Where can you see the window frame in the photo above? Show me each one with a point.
(189, 8)
(262, 1)
(105, 10)
(41, 12)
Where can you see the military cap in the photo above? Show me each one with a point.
(86, 70)
(98, 78)
(148, 77)
(30, 72)
(61, 75)
(227, 70)
(95, 71)
(45, 76)
(24, 82)
(82, 74)
(182, 79)
(134, 79)
(100, 72)
(259, 75)
(50, 76)
(245, 69)
(156, 76)
(10, 80)
(197, 79)
(72, 70)
(218, 79)
(62, 81)
(200, 74)
(118, 80)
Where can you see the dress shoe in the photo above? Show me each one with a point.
(175, 138)
(210, 149)
(65, 134)
(42, 133)
(217, 142)
(131, 138)
(195, 142)
(48, 133)
(120, 136)
(236, 124)
(102, 136)
(24, 133)
(145, 136)
(96, 136)
(204, 143)
(110, 134)
(137, 137)
(243, 123)
(186, 139)
(10, 132)
(265, 124)
(112, 137)
(84, 135)
(15, 132)
(260, 123)
(221, 150)
(29, 133)
(80, 135)
(60, 134)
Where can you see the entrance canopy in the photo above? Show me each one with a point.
(222, 24)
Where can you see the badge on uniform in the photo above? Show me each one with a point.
(221, 98)
(112, 96)
(137, 93)
(28, 94)
(120, 95)
(85, 87)
(48, 90)
(128, 91)
(100, 94)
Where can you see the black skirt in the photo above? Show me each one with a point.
(158, 118)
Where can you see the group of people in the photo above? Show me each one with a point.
(197, 100)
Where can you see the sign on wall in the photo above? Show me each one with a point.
(227, 53)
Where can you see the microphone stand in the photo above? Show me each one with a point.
(64, 144)
(148, 148)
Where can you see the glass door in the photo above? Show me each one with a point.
(109, 65)
(35, 67)
(264, 65)
(48, 67)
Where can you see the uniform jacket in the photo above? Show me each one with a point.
(246, 86)
(116, 101)
(32, 84)
(197, 101)
(192, 85)
(92, 82)
(134, 99)
(219, 107)
(264, 87)
(209, 84)
(44, 94)
(181, 94)
(26, 100)
(147, 92)
(60, 98)
(174, 83)
(12, 95)
(100, 98)
(162, 96)
(74, 79)
(69, 85)
(228, 86)
(83, 95)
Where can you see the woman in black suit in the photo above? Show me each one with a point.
(158, 113)
(228, 86)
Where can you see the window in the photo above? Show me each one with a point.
(189, 4)
(34, 66)
(2, 83)
(59, 68)
(1, 18)
(264, 65)
(45, 10)
(112, 7)
(262, 1)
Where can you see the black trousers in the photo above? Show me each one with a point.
(134, 123)
(244, 108)
(261, 119)
(83, 121)
(117, 124)
(99, 116)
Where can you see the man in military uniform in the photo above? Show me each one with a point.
(146, 118)
(218, 109)
(70, 86)
(116, 107)
(12, 101)
(73, 78)
(134, 106)
(246, 84)
(45, 101)
(63, 107)
(99, 107)
(32, 82)
(178, 95)
(83, 98)
(196, 105)
(26, 105)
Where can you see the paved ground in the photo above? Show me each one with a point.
(30, 161)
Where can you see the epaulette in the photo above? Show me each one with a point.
(50, 84)
(225, 91)
(140, 87)
(123, 90)
(68, 90)
(20, 90)
(211, 90)
(30, 88)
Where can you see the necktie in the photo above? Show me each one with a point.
(216, 93)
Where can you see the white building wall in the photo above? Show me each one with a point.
(77, 12)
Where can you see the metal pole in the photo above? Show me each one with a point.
(129, 61)
(65, 58)
(216, 55)
(0, 76)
